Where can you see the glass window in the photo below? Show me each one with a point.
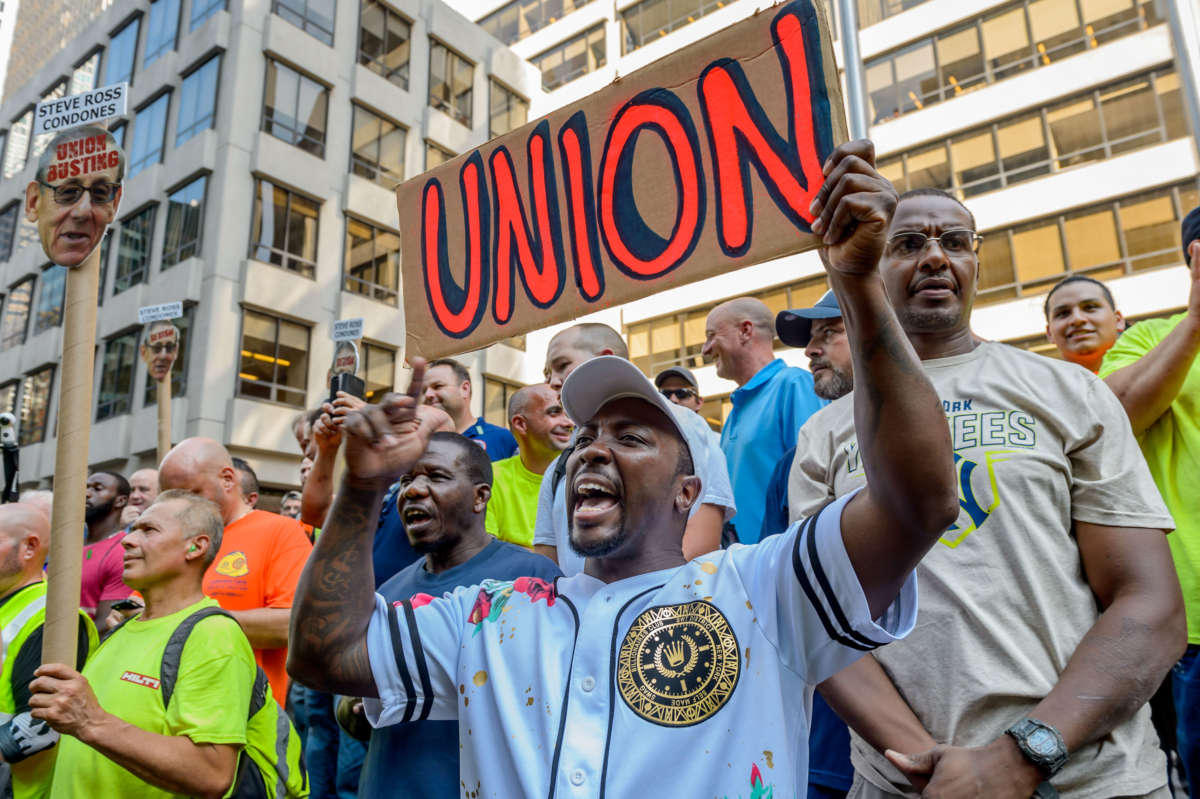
(185, 218)
(83, 77)
(1091, 237)
(274, 359)
(105, 245)
(149, 131)
(975, 167)
(116, 375)
(650, 20)
(451, 81)
(180, 369)
(508, 110)
(284, 229)
(8, 229)
(1167, 87)
(198, 100)
(16, 314)
(50, 298)
(929, 168)
(513, 22)
(377, 148)
(916, 77)
(436, 155)
(1075, 131)
(118, 133)
(35, 404)
(1037, 249)
(379, 370)
(133, 253)
(8, 397)
(42, 140)
(202, 10)
(296, 108)
(372, 260)
(573, 58)
(961, 59)
(314, 17)
(881, 90)
(996, 263)
(1055, 28)
(17, 146)
(122, 48)
(383, 42)
(162, 30)
(1023, 150)
(1130, 114)
(1151, 230)
(496, 394)
(893, 170)
(1006, 44)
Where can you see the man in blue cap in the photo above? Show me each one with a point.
(822, 333)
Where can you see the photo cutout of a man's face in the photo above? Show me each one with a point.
(76, 192)
(160, 345)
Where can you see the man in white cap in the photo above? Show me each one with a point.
(610, 674)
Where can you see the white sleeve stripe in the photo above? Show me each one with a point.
(853, 640)
(422, 666)
(401, 663)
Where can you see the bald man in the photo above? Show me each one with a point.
(770, 403)
(262, 554)
(40, 498)
(543, 430)
(143, 489)
(24, 741)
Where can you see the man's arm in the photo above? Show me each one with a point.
(865, 698)
(1115, 669)
(63, 699)
(703, 532)
(911, 494)
(335, 598)
(1148, 386)
(267, 628)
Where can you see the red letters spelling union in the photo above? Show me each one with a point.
(740, 136)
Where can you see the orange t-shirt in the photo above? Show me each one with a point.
(258, 566)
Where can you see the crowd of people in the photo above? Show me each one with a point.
(928, 565)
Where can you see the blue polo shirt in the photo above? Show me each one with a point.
(420, 758)
(495, 440)
(767, 414)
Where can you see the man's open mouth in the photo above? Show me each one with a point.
(594, 497)
(414, 514)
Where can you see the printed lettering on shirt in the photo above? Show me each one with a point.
(982, 439)
(140, 679)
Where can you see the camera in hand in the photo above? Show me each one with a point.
(351, 384)
(342, 372)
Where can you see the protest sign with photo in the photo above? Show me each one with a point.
(702, 162)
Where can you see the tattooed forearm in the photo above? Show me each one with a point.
(335, 598)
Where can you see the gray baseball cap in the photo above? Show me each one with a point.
(795, 326)
(682, 373)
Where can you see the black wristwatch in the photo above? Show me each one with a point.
(1041, 744)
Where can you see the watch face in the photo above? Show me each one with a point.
(1042, 742)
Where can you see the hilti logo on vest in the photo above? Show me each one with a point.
(140, 679)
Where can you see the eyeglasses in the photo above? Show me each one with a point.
(952, 242)
(163, 348)
(102, 193)
(679, 393)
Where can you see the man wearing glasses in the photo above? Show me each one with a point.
(1050, 610)
(679, 386)
(75, 193)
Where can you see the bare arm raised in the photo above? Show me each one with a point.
(335, 596)
(911, 493)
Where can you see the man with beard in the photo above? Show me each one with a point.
(143, 488)
(448, 388)
(607, 676)
(26, 763)
(1050, 610)
(1082, 320)
(542, 431)
(106, 495)
(443, 501)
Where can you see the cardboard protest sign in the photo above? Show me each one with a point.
(76, 193)
(159, 348)
(703, 162)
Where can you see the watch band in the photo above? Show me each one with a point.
(1045, 791)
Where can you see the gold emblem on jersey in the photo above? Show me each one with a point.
(678, 664)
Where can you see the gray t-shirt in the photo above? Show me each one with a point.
(1004, 600)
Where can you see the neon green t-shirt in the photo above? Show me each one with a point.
(1172, 449)
(210, 703)
(512, 509)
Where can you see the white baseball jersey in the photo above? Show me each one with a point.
(710, 466)
(698, 678)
